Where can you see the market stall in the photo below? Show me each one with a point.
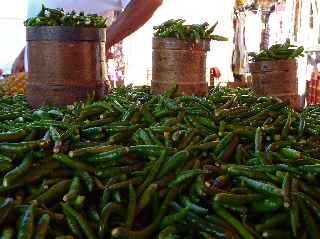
(177, 159)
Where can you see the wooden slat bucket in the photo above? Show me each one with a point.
(277, 78)
(181, 63)
(66, 64)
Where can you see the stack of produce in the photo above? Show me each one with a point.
(58, 17)
(275, 73)
(278, 52)
(135, 165)
(176, 28)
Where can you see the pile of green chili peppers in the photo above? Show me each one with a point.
(278, 52)
(136, 165)
(57, 17)
(194, 33)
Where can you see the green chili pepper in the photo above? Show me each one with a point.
(53, 193)
(26, 224)
(74, 164)
(80, 219)
(7, 233)
(174, 218)
(42, 227)
(5, 209)
(233, 221)
(132, 206)
(11, 177)
(262, 187)
(74, 189)
(176, 160)
(267, 205)
(147, 196)
(106, 213)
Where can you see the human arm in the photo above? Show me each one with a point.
(135, 15)
(18, 64)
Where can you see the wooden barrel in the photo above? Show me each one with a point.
(181, 63)
(277, 78)
(66, 64)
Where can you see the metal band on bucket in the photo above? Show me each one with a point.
(63, 33)
(176, 44)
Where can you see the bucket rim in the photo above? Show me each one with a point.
(65, 33)
(177, 44)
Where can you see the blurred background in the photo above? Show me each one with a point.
(12, 31)
(298, 20)
(137, 48)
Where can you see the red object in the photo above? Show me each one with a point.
(1, 72)
(313, 89)
(110, 54)
(215, 72)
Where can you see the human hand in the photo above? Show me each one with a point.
(18, 65)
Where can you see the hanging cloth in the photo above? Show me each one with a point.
(239, 56)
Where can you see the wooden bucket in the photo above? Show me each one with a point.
(181, 63)
(277, 78)
(66, 64)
